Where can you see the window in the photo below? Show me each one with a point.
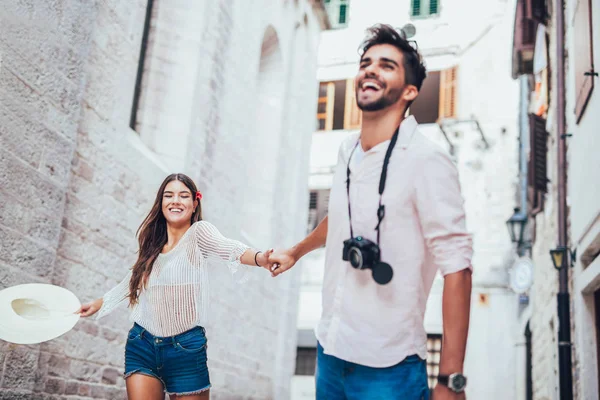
(424, 8)
(141, 63)
(583, 54)
(524, 33)
(306, 359)
(437, 97)
(337, 10)
(336, 108)
(434, 349)
(317, 207)
(537, 167)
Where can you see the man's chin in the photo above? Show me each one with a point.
(372, 105)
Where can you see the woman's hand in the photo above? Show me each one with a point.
(262, 259)
(89, 309)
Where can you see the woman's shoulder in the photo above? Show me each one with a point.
(202, 226)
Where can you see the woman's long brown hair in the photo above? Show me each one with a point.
(152, 236)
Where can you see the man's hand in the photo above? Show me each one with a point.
(282, 260)
(442, 392)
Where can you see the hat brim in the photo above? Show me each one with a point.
(16, 329)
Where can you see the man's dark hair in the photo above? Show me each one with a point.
(414, 69)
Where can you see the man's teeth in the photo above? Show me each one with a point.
(370, 85)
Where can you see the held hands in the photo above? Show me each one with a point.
(262, 259)
(89, 309)
(281, 261)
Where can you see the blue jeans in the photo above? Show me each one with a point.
(179, 362)
(342, 380)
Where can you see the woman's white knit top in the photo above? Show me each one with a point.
(176, 298)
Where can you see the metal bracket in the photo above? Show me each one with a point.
(591, 73)
(566, 135)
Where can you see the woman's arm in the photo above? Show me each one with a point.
(107, 303)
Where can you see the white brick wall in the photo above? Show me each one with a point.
(78, 180)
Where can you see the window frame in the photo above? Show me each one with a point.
(334, 11)
(424, 5)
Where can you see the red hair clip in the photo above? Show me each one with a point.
(198, 195)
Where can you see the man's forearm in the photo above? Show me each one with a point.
(456, 306)
(313, 241)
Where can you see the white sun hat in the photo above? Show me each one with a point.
(36, 312)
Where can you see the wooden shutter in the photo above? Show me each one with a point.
(583, 54)
(433, 7)
(415, 9)
(352, 114)
(325, 106)
(538, 152)
(448, 90)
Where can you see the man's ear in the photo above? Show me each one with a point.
(410, 93)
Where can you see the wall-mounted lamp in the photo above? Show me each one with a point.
(559, 256)
(516, 226)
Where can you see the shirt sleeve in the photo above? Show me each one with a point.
(440, 207)
(219, 248)
(114, 297)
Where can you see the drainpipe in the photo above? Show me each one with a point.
(563, 301)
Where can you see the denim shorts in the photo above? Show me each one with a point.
(179, 362)
(337, 379)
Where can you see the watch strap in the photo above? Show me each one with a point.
(443, 379)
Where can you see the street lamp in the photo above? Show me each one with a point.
(516, 226)
(559, 256)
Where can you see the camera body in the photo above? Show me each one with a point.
(361, 252)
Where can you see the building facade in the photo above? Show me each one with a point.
(99, 102)
(556, 46)
(467, 105)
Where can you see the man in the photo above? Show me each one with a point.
(371, 339)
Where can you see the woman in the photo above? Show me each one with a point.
(167, 291)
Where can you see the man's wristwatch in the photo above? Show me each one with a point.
(455, 382)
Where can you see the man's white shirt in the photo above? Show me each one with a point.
(423, 231)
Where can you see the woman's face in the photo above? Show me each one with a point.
(178, 203)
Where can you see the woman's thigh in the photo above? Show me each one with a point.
(202, 396)
(144, 387)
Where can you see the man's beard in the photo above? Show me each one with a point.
(383, 102)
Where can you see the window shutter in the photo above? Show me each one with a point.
(584, 84)
(352, 114)
(433, 7)
(416, 8)
(448, 93)
(325, 106)
(538, 152)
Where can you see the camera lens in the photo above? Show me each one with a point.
(356, 259)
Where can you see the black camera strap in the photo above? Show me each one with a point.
(382, 179)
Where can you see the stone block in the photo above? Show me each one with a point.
(20, 252)
(55, 386)
(20, 374)
(110, 376)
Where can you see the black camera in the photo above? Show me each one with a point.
(360, 252)
(363, 254)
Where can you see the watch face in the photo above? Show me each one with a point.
(457, 382)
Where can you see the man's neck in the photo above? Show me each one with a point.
(379, 126)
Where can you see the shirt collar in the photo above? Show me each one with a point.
(407, 129)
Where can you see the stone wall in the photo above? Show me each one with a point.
(76, 180)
